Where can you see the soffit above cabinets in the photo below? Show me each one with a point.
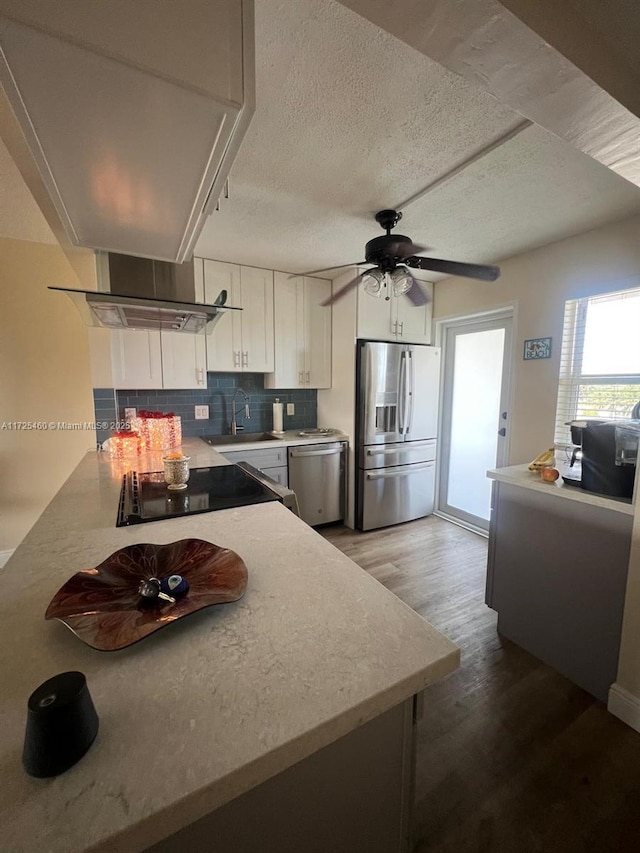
(133, 141)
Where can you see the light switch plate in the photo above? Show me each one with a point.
(129, 412)
(202, 413)
(291, 408)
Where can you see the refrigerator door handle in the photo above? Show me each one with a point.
(404, 393)
(401, 395)
(374, 451)
(410, 390)
(405, 471)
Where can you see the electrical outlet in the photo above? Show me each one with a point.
(291, 408)
(129, 412)
(202, 413)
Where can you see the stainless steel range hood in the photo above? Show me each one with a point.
(139, 293)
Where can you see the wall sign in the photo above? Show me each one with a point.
(537, 348)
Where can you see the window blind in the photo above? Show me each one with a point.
(599, 360)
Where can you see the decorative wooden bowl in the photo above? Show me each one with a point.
(102, 606)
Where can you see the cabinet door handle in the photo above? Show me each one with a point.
(401, 332)
(308, 377)
(200, 375)
(300, 377)
(236, 358)
(245, 358)
(394, 327)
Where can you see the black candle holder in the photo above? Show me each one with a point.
(62, 723)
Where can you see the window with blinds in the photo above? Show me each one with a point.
(600, 360)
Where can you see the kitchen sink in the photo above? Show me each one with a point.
(241, 438)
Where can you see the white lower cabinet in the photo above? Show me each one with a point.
(272, 461)
(303, 339)
(242, 341)
(395, 319)
(152, 359)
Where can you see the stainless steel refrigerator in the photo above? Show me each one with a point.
(397, 389)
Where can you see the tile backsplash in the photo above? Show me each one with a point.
(106, 409)
(218, 396)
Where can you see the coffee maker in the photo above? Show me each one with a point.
(572, 474)
(609, 453)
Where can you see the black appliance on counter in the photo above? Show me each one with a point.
(606, 470)
(572, 474)
(145, 497)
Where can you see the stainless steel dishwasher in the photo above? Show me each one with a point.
(316, 475)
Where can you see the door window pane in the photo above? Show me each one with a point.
(477, 384)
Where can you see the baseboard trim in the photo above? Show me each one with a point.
(624, 705)
(4, 556)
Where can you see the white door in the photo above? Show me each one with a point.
(224, 344)
(257, 320)
(475, 421)
(414, 321)
(288, 353)
(374, 317)
(136, 359)
(184, 360)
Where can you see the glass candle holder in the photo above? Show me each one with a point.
(176, 471)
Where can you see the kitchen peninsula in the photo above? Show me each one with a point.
(557, 573)
(283, 721)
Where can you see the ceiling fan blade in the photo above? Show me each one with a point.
(484, 273)
(327, 269)
(343, 290)
(416, 294)
(411, 249)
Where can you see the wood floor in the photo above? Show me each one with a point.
(512, 757)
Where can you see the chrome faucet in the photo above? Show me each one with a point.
(247, 413)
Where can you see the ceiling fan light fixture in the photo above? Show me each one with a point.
(373, 281)
(401, 280)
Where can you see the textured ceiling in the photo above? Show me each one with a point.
(350, 119)
(20, 216)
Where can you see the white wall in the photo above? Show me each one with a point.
(44, 358)
(45, 377)
(336, 405)
(539, 283)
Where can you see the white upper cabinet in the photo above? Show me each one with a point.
(184, 360)
(242, 341)
(303, 333)
(395, 319)
(143, 358)
(151, 359)
(136, 359)
(133, 141)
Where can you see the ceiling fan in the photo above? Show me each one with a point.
(391, 257)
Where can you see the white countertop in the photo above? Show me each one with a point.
(210, 706)
(519, 475)
(289, 438)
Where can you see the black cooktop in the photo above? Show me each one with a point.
(145, 497)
